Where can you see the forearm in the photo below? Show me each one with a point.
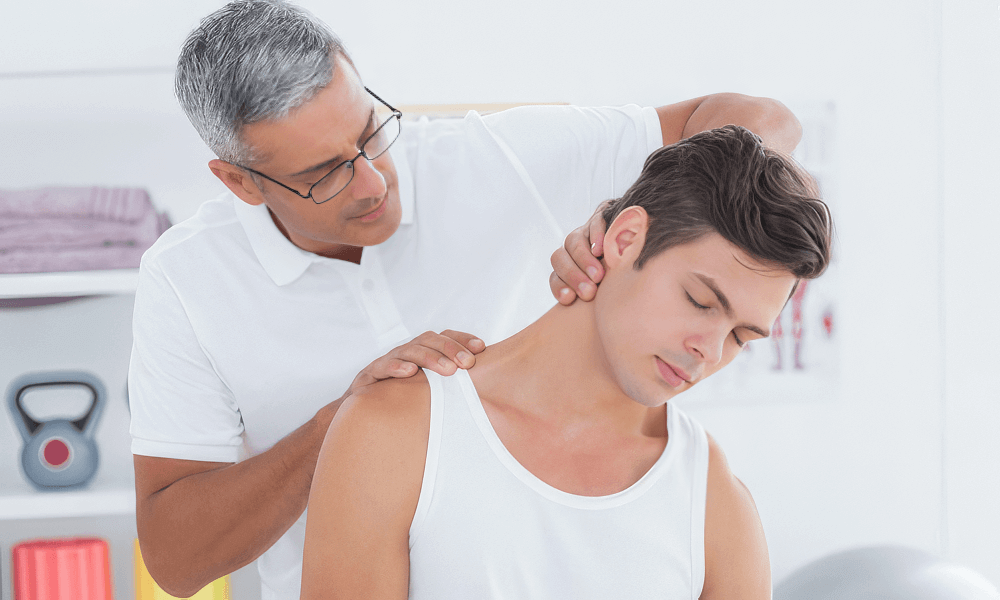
(209, 524)
(768, 118)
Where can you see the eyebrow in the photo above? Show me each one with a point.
(726, 306)
(339, 158)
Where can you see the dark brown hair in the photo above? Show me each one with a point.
(726, 181)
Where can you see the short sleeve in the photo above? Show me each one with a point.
(180, 407)
(579, 157)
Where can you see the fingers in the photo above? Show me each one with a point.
(449, 350)
(382, 368)
(597, 228)
(569, 263)
(396, 367)
(577, 270)
(563, 293)
(442, 353)
(467, 340)
(580, 251)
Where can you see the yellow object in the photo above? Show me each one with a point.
(147, 589)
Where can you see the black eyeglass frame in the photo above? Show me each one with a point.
(396, 114)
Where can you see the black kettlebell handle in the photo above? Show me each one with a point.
(33, 425)
(29, 381)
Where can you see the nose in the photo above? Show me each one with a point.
(706, 347)
(368, 182)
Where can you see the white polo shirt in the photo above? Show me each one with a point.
(240, 336)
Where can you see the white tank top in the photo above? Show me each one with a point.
(485, 527)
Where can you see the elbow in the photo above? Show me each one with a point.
(173, 576)
(179, 586)
(181, 591)
(172, 582)
(775, 124)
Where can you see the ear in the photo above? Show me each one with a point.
(625, 238)
(237, 180)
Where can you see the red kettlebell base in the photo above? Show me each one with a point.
(56, 454)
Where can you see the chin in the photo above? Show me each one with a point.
(390, 221)
(373, 234)
(648, 394)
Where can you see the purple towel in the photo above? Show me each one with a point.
(76, 229)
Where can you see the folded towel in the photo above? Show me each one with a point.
(76, 229)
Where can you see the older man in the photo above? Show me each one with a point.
(340, 239)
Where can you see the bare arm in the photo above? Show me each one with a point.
(736, 559)
(576, 271)
(768, 118)
(198, 521)
(365, 493)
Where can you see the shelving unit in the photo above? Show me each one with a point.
(92, 334)
(78, 503)
(18, 499)
(77, 283)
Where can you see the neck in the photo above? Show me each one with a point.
(337, 251)
(557, 365)
(348, 253)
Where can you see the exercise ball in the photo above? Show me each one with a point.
(884, 573)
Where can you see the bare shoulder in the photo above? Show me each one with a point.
(729, 501)
(721, 480)
(382, 431)
(390, 416)
(736, 559)
(364, 492)
(391, 402)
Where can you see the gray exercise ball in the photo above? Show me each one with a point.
(884, 573)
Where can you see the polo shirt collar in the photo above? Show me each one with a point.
(285, 262)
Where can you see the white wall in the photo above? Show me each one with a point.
(970, 211)
(905, 454)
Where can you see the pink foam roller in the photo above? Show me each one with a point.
(66, 569)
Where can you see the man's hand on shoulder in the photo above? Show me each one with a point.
(365, 491)
(443, 353)
(736, 559)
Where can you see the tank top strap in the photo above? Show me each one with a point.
(696, 455)
(437, 384)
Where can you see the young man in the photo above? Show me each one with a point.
(556, 467)
(337, 244)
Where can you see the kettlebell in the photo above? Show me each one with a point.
(58, 453)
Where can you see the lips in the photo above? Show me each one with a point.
(674, 376)
(375, 212)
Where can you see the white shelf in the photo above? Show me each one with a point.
(76, 283)
(82, 503)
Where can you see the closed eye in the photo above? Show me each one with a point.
(695, 303)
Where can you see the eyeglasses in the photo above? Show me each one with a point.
(340, 176)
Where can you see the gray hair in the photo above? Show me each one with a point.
(249, 61)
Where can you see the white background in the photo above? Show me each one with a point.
(906, 452)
